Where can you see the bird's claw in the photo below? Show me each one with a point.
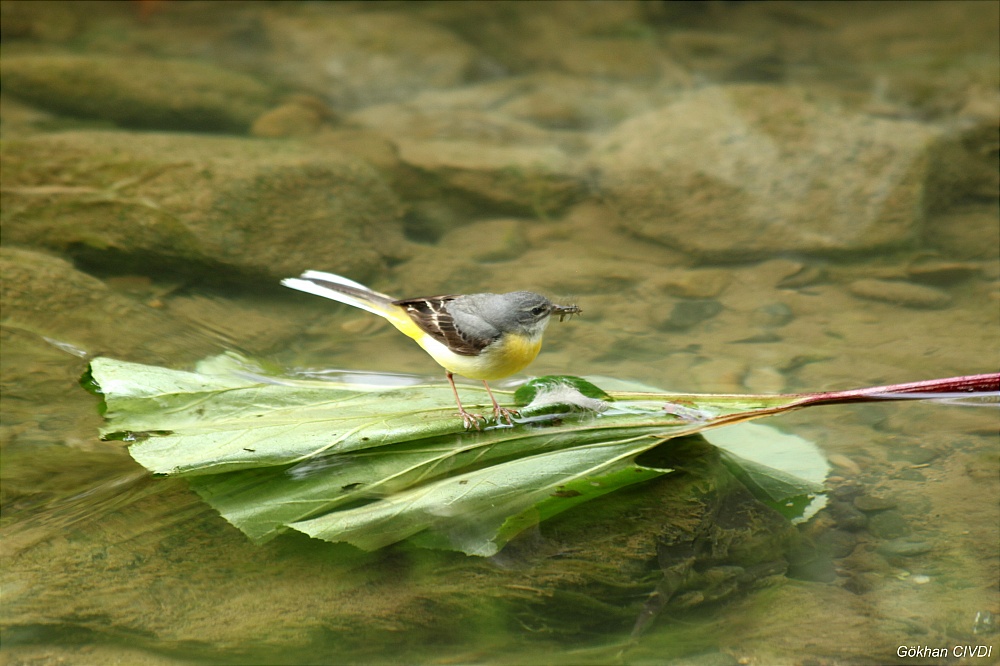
(505, 414)
(471, 420)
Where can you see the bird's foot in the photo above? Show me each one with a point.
(470, 420)
(505, 414)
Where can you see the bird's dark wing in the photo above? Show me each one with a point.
(431, 316)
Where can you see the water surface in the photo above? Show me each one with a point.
(742, 197)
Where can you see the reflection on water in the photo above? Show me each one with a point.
(742, 197)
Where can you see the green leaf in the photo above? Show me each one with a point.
(477, 512)
(373, 459)
(223, 417)
(782, 470)
(262, 502)
(559, 393)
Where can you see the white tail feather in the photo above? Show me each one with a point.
(355, 294)
(340, 279)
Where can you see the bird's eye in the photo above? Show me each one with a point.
(538, 310)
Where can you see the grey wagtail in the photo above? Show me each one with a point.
(479, 336)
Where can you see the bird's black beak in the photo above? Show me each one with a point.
(564, 311)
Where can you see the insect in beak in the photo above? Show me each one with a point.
(565, 311)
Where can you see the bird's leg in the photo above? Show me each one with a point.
(469, 419)
(498, 411)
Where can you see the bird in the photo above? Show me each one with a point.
(478, 336)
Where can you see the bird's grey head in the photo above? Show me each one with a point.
(523, 312)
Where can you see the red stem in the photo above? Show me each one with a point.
(967, 384)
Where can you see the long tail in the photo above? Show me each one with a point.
(341, 289)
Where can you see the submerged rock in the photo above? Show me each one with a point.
(688, 313)
(483, 161)
(561, 101)
(731, 172)
(519, 179)
(696, 284)
(138, 92)
(889, 524)
(967, 232)
(48, 300)
(302, 115)
(772, 315)
(900, 293)
(904, 547)
(873, 503)
(247, 206)
(355, 59)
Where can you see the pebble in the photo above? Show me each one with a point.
(847, 517)
(873, 503)
(909, 475)
(943, 272)
(688, 313)
(862, 583)
(302, 115)
(888, 524)
(904, 548)
(848, 491)
(900, 293)
(701, 283)
(772, 315)
(841, 461)
(807, 275)
(838, 543)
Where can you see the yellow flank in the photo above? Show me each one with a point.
(398, 317)
(501, 359)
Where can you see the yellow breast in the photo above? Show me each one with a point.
(512, 353)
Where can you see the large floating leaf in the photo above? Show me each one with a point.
(221, 417)
(467, 511)
(782, 470)
(374, 459)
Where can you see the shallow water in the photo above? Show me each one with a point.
(741, 197)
